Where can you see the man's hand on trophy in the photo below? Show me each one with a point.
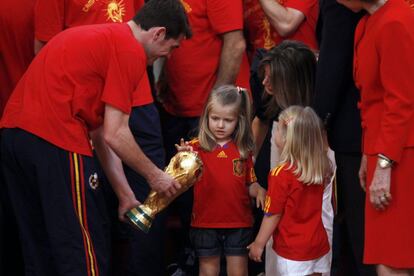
(125, 205)
(183, 146)
(164, 183)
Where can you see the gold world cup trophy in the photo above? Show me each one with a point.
(186, 167)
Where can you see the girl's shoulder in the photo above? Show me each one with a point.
(283, 169)
(195, 143)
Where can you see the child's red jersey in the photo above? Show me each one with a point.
(221, 197)
(300, 234)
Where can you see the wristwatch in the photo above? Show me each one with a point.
(384, 162)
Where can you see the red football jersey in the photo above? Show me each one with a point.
(54, 16)
(300, 234)
(16, 44)
(192, 68)
(261, 34)
(221, 196)
(68, 84)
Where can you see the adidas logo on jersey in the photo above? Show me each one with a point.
(221, 154)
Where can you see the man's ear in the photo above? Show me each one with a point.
(159, 33)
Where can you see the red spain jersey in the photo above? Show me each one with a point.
(300, 234)
(261, 34)
(54, 16)
(221, 197)
(62, 95)
(16, 44)
(192, 68)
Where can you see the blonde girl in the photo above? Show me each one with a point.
(222, 216)
(293, 205)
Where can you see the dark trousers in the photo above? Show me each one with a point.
(135, 252)
(11, 259)
(59, 207)
(173, 129)
(348, 234)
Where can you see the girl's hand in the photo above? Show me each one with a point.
(260, 198)
(183, 146)
(255, 252)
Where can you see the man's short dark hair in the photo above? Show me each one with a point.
(164, 13)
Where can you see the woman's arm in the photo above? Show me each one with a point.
(259, 129)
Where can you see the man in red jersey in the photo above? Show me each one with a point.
(80, 88)
(133, 252)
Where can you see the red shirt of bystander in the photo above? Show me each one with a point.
(261, 34)
(192, 68)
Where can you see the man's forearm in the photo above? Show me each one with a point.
(231, 57)
(285, 20)
(119, 138)
(112, 166)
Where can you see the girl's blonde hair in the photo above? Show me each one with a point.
(229, 95)
(305, 147)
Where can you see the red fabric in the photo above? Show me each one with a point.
(300, 234)
(389, 238)
(142, 95)
(68, 84)
(383, 71)
(386, 82)
(262, 35)
(54, 16)
(192, 68)
(221, 197)
(16, 44)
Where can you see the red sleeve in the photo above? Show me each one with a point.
(250, 175)
(138, 5)
(303, 6)
(225, 15)
(278, 191)
(49, 18)
(122, 77)
(396, 76)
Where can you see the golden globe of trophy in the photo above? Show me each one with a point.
(186, 167)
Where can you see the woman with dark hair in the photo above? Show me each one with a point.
(383, 71)
(288, 73)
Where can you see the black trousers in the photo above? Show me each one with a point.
(59, 207)
(136, 253)
(348, 234)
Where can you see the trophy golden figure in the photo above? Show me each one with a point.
(186, 167)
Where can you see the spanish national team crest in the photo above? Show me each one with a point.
(239, 169)
(115, 11)
(94, 181)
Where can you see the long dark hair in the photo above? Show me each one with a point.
(292, 75)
